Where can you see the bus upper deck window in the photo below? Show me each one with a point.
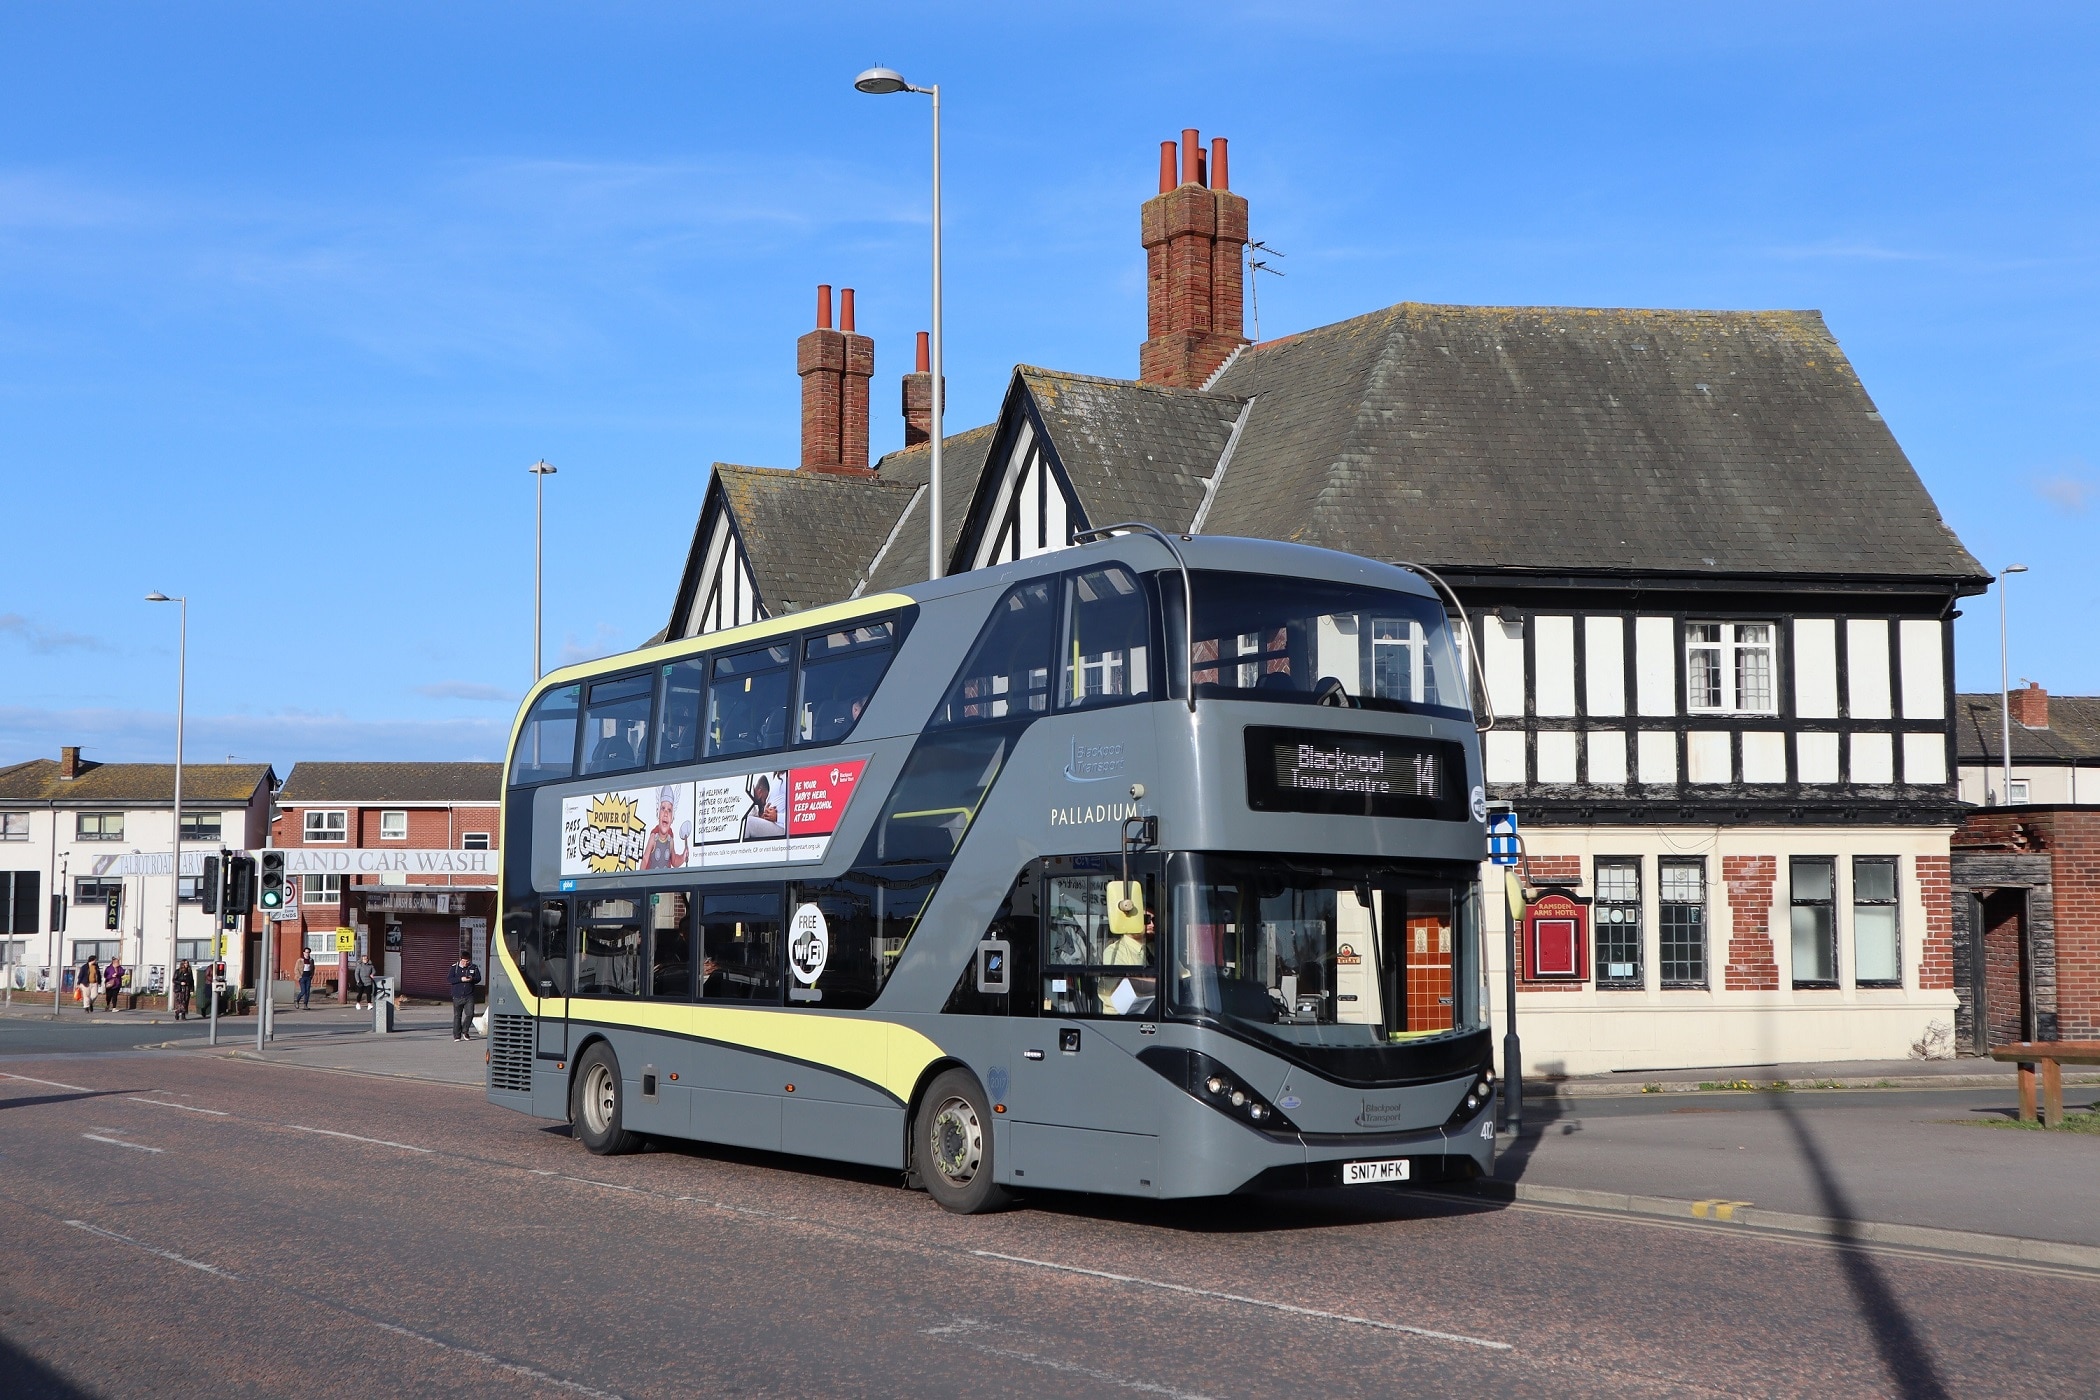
(1007, 675)
(1108, 633)
(747, 701)
(616, 725)
(678, 716)
(547, 743)
(840, 671)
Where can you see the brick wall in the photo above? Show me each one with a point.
(1936, 963)
(1751, 966)
(2075, 862)
(1552, 870)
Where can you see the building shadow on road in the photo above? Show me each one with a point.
(23, 1377)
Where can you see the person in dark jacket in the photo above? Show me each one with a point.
(185, 988)
(465, 977)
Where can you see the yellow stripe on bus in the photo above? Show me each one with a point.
(882, 1053)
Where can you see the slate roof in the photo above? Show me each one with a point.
(134, 784)
(369, 784)
(1133, 451)
(1555, 438)
(2073, 735)
(809, 536)
(962, 463)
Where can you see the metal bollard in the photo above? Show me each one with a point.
(382, 1005)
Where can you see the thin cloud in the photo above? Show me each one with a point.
(46, 640)
(604, 641)
(464, 690)
(279, 739)
(2068, 489)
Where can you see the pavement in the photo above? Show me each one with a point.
(189, 1223)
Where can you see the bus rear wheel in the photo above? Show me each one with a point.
(596, 1104)
(952, 1142)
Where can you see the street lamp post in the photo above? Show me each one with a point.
(540, 470)
(182, 664)
(2005, 691)
(881, 81)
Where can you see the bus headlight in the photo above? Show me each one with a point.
(1204, 1078)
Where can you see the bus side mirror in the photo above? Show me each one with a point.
(1126, 908)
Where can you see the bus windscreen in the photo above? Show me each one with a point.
(1258, 637)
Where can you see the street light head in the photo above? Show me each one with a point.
(158, 598)
(2016, 568)
(543, 467)
(881, 81)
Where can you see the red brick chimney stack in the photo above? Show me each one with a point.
(2030, 706)
(835, 366)
(69, 761)
(1194, 231)
(918, 398)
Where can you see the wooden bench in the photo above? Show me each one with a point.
(2052, 1056)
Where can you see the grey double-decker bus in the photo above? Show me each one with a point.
(1149, 867)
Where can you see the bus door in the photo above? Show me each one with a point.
(1099, 996)
(1421, 938)
(547, 970)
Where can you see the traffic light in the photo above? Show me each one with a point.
(270, 893)
(210, 888)
(113, 909)
(240, 884)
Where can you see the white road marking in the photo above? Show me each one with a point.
(186, 1108)
(498, 1362)
(150, 1249)
(1291, 1308)
(958, 1332)
(376, 1142)
(119, 1142)
(49, 1083)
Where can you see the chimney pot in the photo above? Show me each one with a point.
(846, 309)
(925, 360)
(1217, 164)
(823, 306)
(1166, 166)
(1190, 138)
(69, 761)
(2030, 707)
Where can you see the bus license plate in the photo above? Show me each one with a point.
(1364, 1173)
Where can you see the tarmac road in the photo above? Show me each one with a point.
(184, 1223)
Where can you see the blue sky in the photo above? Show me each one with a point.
(292, 294)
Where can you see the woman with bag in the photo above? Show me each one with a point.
(113, 984)
(89, 984)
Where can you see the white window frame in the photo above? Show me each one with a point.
(204, 828)
(388, 820)
(1729, 650)
(14, 826)
(320, 942)
(320, 889)
(476, 841)
(325, 831)
(2018, 791)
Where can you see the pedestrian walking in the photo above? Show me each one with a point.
(185, 988)
(89, 983)
(306, 979)
(113, 983)
(465, 977)
(361, 981)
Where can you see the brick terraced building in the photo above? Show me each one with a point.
(1714, 604)
(402, 854)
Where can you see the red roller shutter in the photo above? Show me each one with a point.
(428, 949)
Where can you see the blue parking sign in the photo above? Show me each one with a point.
(1502, 838)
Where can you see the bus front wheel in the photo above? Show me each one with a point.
(596, 1104)
(953, 1144)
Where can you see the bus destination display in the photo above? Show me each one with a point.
(1371, 775)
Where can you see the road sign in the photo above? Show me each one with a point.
(346, 940)
(278, 916)
(1502, 838)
